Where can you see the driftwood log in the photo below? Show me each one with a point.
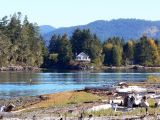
(8, 108)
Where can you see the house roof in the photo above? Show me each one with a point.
(83, 54)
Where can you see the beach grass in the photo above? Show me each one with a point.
(135, 112)
(151, 102)
(153, 79)
(67, 98)
(108, 112)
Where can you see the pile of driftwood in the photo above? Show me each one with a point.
(7, 108)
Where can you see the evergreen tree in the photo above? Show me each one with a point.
(93, 48)
(64, 50)
(53, 44)
(107, 51)
(84, 41)
(14, 27)
(22, 42)
(77, 41)
(117, 55)
(146, 52)
(3, 25)
(4, 49)
(113, 50)
(128, 52)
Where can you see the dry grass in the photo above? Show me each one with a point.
(151, 102)
(153, 79)
(66, 98)
(108, 112)
(150, 81)
(134, 112)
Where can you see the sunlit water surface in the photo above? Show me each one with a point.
(14, 84)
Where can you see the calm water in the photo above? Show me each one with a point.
(13, 84)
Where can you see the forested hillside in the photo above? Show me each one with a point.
(20, 42)
(113, 51)
(22, 45)
(123, 28)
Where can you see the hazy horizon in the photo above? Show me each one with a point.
(100, 20)
(60, 13)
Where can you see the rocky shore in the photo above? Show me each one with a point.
(74, 105)
(20, 68)
(136, 67)
(84, 66)
(51, 106)
(80, 67)
(71, 105)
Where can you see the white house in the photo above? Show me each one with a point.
(83, 57)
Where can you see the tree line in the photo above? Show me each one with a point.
(21, 44)
(112, 52)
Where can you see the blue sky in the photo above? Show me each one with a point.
(59, 13)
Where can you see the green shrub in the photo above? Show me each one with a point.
(53, 57)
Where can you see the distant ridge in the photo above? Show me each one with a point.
(124, 28)
(44, 29)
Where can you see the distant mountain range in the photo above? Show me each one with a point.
(124, 28)
(45, 29)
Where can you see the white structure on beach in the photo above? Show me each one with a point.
(131, 89)
(83, 57)
(100, 107)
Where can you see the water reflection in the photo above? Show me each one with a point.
(18, 83)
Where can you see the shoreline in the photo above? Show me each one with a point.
(73, 105)
(43, 105)
(20, 68)
(134, 67)
(30, 68)
(72, 111)
(67, 104)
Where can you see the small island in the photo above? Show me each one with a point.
(23, 48)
